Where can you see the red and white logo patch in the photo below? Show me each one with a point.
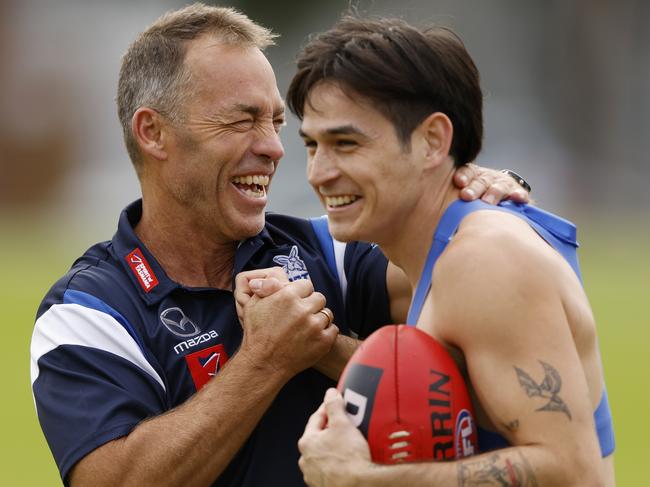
(205, 364)
(142, 270)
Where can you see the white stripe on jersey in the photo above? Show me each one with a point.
(339, 256)
(73, 324)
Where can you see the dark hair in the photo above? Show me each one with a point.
(407, 73)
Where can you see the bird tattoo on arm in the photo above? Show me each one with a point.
(549, 388)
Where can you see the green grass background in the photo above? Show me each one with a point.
(616, 269)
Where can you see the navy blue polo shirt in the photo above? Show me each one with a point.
(116, 341)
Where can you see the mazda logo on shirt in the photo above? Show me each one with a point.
(176, 322)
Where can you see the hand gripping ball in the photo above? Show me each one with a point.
(405, 393)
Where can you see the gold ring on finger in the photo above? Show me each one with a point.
(330, 316)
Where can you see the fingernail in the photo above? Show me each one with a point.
(490, 199)
(470, 193)
(330, 394)
(463, 179)
(255, 284)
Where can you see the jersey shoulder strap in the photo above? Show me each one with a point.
(558, 232)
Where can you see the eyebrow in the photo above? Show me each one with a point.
(340, 130)
(255, 110)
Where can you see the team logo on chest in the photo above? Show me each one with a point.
(293, 265)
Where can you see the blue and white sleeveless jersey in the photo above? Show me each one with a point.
(116, 341)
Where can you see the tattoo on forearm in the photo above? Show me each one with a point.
(512, 426)
(549, 388)
(502, 470)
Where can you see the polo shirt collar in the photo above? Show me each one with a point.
(145, 273)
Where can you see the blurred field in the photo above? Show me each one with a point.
(616, 268)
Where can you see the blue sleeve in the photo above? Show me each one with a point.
(366, 301)
(91, 380)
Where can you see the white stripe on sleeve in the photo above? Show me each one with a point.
(339, 256)
(73, 324)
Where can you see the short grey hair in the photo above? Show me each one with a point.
(153, 72)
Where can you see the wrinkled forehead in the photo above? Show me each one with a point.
(232, 75)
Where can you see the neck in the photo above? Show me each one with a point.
(408, 246)
(185, 248)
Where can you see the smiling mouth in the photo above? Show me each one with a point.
(341, 200)
(252, 185)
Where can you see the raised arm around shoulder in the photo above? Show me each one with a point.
(490, 185)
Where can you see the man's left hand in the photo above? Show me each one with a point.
(332, 450)
(491, 185)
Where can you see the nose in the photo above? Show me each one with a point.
(321, 168)
(268, 145)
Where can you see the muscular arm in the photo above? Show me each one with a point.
(509, 320)
(192, 444)
(521, 355)
(335, 454)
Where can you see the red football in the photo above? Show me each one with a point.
(405, 393)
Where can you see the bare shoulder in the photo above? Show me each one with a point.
(497, 246)
(495, 270)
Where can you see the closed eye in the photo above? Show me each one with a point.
(243, 124)
(278, 124)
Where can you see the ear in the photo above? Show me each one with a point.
(436, 133)
(147, 127)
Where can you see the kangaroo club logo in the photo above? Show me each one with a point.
(176, 322)
(292, 265)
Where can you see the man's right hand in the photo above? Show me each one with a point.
(286, 331)
(261, 282)
(283, 334)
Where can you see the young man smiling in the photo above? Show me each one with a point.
(388, 113)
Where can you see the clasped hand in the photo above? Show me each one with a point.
(283, 323)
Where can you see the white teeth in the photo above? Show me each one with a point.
(340, 200)
(260, 179)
